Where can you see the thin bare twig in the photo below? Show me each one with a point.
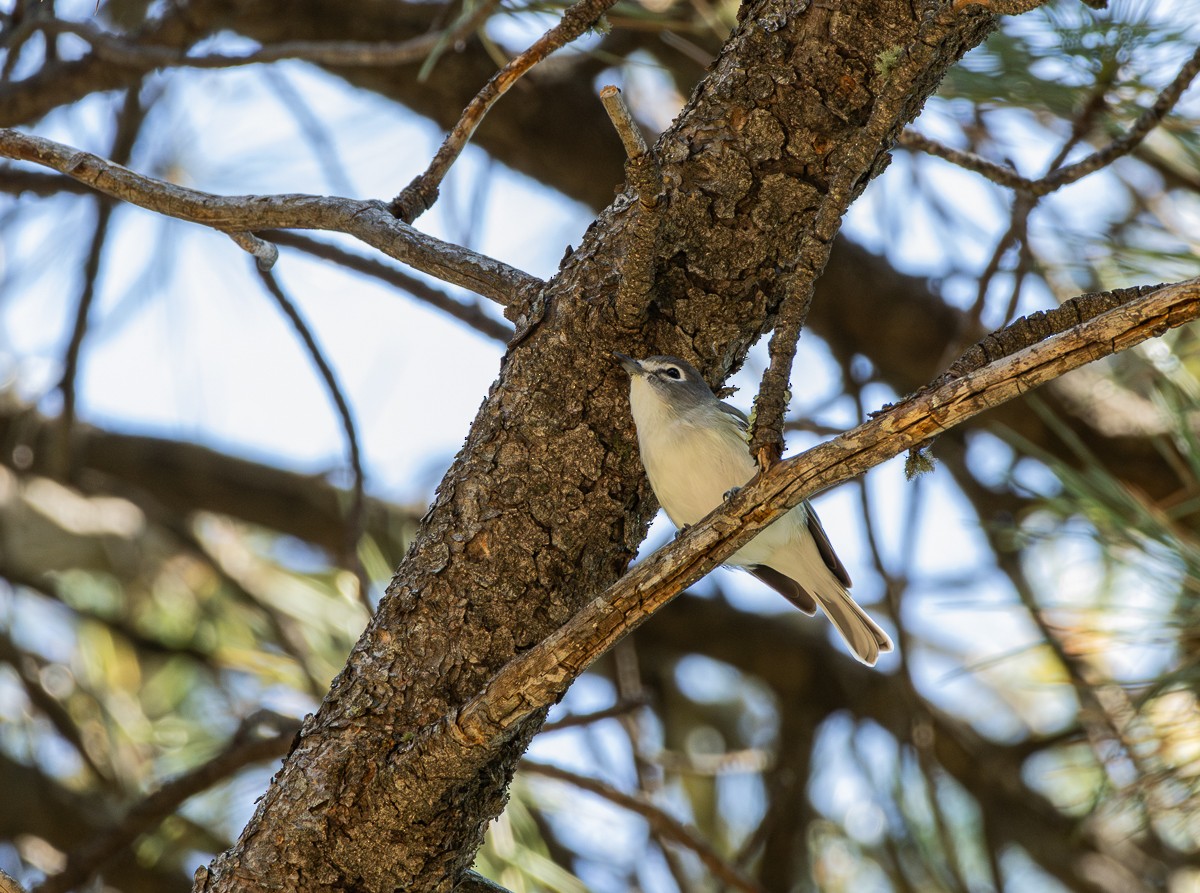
(419, 195)
(129, 122)
(1000, 174)
(665, 824)
(472, 314)
(1125, 144)
(1024, 204)
(576, 720)
(245, 748)
(971, 322)
(368, 221)
(1058, 177)
(539, 676)
(1020, 272)
(627, 675)
(354, 517)
(70, 365)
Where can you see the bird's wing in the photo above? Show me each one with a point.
(781, 583)
(739, 418)
(824, 546)
(785, 586)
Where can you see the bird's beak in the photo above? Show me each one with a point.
(632, 366)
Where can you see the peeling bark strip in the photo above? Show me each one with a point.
(546, 503)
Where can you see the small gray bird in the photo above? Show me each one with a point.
(696, 449)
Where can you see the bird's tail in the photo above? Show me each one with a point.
(861, 633)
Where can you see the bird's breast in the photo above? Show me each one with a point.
(692, 466)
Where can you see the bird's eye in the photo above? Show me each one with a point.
(672, 372)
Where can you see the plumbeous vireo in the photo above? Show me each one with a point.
(695, 450)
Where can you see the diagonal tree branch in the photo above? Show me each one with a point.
(538, 677)
(129, 123)
(500, 711)
(21, 182)
(1126, 143)
(368, 221)
(866, 296)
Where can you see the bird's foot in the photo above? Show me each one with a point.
(730, 493)
(682, 530)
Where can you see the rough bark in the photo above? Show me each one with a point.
(545, 504)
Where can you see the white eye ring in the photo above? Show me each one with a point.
(673, 372)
